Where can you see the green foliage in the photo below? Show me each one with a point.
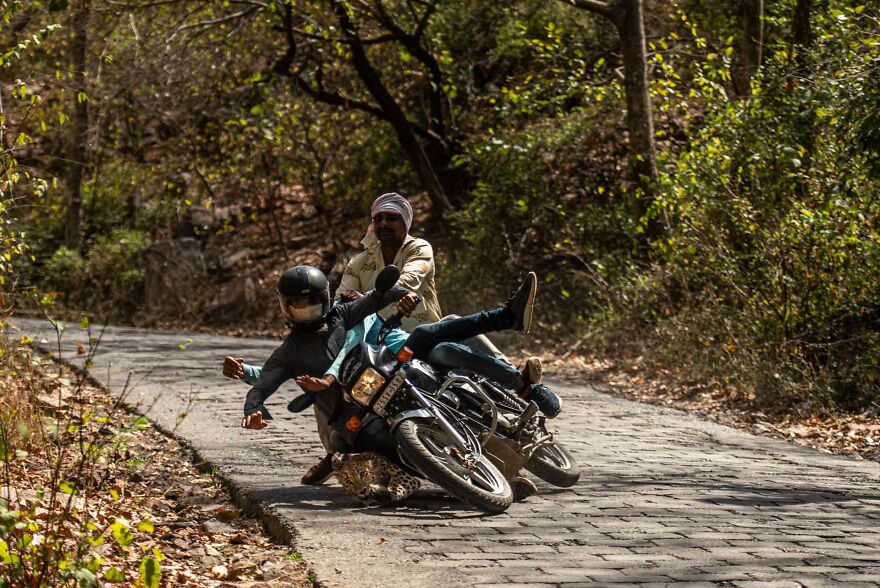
(536, 206)
(114, 264)
(777, 237)
(110, 279)
(65, 271)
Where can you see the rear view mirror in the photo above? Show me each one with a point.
(387, 278)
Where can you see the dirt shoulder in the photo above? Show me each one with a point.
(121, 501)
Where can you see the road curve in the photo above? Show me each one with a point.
(664, 498)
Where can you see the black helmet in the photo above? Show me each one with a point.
(304, 281)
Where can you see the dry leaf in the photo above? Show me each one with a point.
(220, 572)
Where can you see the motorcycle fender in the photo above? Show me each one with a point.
(409, 414)
(505, 454)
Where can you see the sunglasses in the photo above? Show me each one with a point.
(390, 218)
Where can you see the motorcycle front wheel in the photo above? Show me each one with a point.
(554, 464)
(429, 448)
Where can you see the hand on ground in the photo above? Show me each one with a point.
(254, 421)
(311, 384)
(232, 367)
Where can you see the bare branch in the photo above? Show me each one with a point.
(215, 21)
(595, 6)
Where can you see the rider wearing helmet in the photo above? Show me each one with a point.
(317, 334)
(304, 297)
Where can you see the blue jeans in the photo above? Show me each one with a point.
(458, 356)
(425, 337)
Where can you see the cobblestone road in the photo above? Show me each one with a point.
(664, 498)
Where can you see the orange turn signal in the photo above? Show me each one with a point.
(353, 424)
(404, 355)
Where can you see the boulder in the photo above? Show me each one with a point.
(235, 297)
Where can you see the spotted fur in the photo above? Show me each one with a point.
(373, 479)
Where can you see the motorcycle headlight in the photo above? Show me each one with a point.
(367, 385)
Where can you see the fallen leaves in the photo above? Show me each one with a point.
(157, 519)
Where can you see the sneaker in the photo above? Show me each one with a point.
(547, 400)
(320, 472)
(533, 371)
(522, 303)
(522, 488)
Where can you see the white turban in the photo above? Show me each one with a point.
(391, 202)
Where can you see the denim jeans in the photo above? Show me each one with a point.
(458, 356)
(425, 337)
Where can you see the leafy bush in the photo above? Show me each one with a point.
(65, 273)
(776, 240)
(536, 207)
(115, 269)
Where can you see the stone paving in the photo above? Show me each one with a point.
(664, 497)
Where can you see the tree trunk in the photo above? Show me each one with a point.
(802, 39)
(639, 117)
(393, 113)
(78, 151)
(752, 45)
(627, 18)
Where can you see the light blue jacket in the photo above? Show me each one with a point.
(367, 330)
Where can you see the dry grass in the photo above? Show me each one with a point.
(89, 492)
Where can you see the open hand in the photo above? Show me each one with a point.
(407, 304)
(254, 421)
(232, 367)
(312, 384)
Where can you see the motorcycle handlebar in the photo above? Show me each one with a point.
(392, 322)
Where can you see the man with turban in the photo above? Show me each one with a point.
(388, 242)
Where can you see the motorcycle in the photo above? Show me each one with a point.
(430, 432)
(510, 429)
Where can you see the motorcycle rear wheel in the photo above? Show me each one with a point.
(554, 464)
(428, 448)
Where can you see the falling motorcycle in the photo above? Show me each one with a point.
(462, 432)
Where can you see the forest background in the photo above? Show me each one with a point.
(695, 181)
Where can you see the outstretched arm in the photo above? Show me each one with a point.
(275, 372)
(237, 369)
(357, 310)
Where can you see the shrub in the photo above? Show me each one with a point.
(776, 240)
(115, 269)
(65, 273)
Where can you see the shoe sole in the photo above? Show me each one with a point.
(530, 306)
(534, 370)
(319, 481)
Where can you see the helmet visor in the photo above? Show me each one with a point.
(302, 309)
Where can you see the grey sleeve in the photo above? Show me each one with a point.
(357, 310)
(275, 372)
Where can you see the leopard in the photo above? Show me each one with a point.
(373, 479)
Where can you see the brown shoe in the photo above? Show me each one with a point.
(533, 371)
(320, 472)
(522, 488)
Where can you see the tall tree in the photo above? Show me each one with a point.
(78, 158)
(801, 28)
(626, 15)
(751, 47)
(374, 26)
(802, 39)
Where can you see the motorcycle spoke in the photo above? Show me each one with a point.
(477, 476)
(484, 480)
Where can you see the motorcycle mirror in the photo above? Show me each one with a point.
(387, 278)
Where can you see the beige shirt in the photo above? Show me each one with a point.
(415, 260)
